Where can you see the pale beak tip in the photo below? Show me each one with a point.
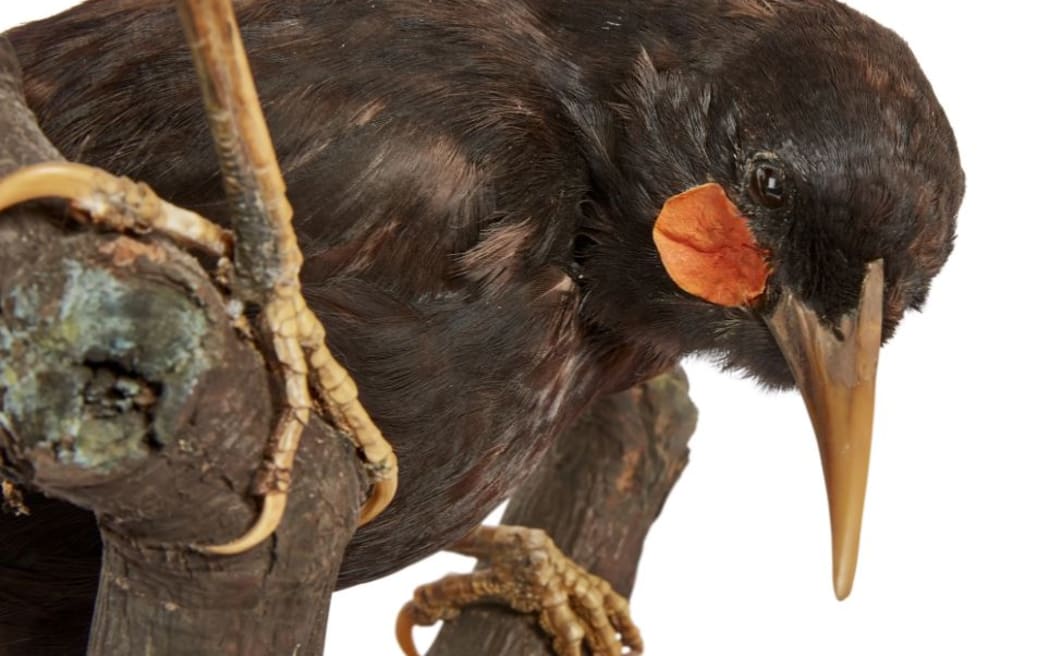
(843, 586)
(844, 565)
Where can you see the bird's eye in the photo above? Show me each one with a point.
(768, 185)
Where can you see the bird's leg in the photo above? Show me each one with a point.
(266, 267)
(524, 569)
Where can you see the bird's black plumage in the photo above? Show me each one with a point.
(475, 186)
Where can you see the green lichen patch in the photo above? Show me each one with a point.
(100, 374)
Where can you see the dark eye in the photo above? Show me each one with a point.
(768, 184)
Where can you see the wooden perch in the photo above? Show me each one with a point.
(125, 389)
(596, 494)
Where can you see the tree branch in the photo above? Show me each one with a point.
(596, 494)
(126, 389)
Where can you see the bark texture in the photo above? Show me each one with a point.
(125, 389)
(596, 494)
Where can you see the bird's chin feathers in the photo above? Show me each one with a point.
(751, 350)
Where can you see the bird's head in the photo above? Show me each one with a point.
(795, 184)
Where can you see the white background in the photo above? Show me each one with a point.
(956, 549)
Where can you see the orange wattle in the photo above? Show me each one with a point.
(708, 249)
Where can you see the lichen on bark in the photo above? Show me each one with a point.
(87, 361)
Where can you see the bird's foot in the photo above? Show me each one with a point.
(304, 358)
(529, 573)
(120, 204)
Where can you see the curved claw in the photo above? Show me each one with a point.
(265, 524)
(274, 504)
(382, 493)
(116, 202)
(67, 180)
(405, 623)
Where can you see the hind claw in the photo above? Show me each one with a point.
(113, 202)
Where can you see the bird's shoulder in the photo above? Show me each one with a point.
(420, 150)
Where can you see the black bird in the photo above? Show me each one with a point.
(511, 207)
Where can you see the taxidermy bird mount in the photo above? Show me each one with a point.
(509, 209)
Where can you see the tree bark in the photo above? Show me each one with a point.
(126, 389)
(596, 494)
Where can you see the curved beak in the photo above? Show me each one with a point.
(834, 367)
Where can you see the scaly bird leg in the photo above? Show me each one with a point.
(524, 569)
(267, 262)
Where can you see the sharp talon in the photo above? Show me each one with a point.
(117, 203)
(380, 497)
(275, 480)
(67, 180)
(269, 518)
(405, 623)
